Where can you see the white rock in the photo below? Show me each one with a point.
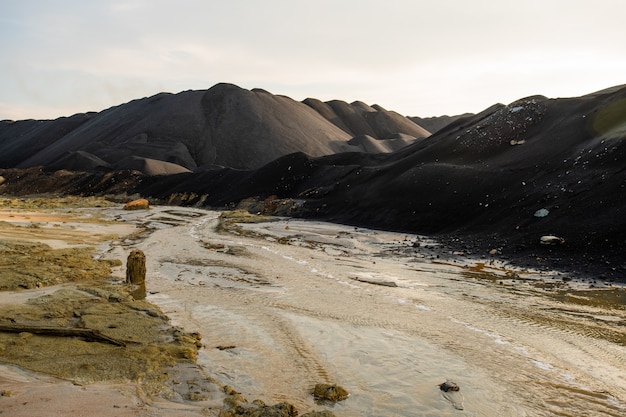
(551, 240)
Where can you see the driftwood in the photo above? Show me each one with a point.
(88, 334)
(376, 281)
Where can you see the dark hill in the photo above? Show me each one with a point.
(434, 124)
(225, 126)
(500, 179)
(358, 119)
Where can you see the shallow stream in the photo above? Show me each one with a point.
(285, 305)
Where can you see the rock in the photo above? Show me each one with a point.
(324, 413)
(542, 212)
(330, 392)
(2, 180)
(551, 240)
(258, 409)
(136, 267)
(140, 204)
(451, 392)
(449, 386)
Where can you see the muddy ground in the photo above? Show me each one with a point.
(74, 336)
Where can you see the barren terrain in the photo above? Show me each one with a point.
(284, 304)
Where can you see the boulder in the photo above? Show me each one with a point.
(452, 392)
(140, 204)
(258, 409)
(449, 386)
(330, 392)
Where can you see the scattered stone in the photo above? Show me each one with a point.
(451, 392)
(136, 267)
(493, 252)
(551, 240)
(140, 204)
(258, 409)
(542, 212)
(197, 396)
(449, 386)
(228, 390)
(324, 413)
(2, 180)
(330, 392)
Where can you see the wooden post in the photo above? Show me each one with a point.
(136, 267)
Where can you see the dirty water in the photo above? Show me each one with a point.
(280, 310)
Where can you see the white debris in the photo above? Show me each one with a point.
(551, 240)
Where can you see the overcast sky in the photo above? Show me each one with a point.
(417, 57)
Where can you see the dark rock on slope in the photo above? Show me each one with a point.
(225, 126)
(477, 184)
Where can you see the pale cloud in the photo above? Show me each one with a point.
(415, 57)
(127, 6)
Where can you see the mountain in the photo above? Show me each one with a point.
(500, 179)
(223, 126)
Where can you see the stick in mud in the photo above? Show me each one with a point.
(88, 334)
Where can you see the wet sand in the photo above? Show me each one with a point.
(285, 305)
(289, 307)
(29, 394)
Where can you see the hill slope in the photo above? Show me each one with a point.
(500, 179)
(225, 126)
(434, 124)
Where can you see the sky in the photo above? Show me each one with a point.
(417, 57)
